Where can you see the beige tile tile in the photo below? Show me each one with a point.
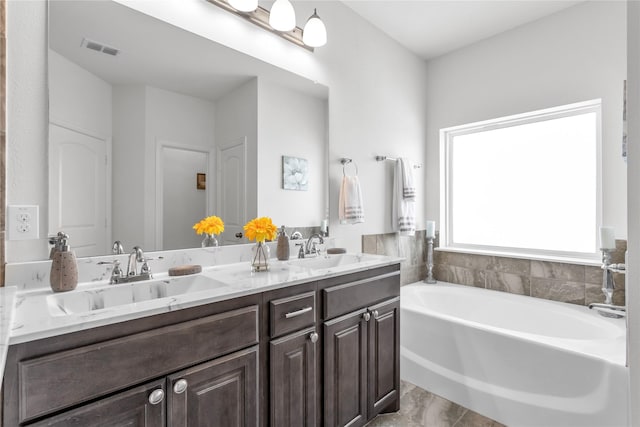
(473, 419)
(593, 274)
(558, 290)
(467, 276)
(521, 267)
(441, 273)
(369, 244)
(557, 270)
(593, 293)
(411, 274)
(390, 244)
(508, 282)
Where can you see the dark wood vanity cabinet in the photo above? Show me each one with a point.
(361, 350)
(317, 353)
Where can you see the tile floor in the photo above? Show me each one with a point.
(419, 408)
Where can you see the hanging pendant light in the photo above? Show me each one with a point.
(282, 16)
(244, 5)
(314, 33)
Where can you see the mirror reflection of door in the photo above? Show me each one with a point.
(78, 193)
(232, 190)
(183, 202)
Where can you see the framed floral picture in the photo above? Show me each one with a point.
(295, 173)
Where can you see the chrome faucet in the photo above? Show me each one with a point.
(311, 246)
(135, 257)
(117, 248)
(608, 284)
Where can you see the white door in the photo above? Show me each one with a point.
(78, 189)
(232, 190)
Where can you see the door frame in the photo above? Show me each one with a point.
(210, 192)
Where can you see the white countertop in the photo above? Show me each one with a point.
(7, 298)
(36, 317)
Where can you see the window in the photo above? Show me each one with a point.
(526, 184)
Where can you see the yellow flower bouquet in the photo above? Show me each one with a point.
(260, 229)
(210, 226)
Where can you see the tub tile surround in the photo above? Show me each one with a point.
(556, 281)
(420, 408)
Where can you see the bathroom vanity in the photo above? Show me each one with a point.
(291, 347)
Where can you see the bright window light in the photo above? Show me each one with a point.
(525, 184)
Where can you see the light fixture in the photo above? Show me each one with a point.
(282, 16)
(244, 5)
(314, 33)
(281, 21)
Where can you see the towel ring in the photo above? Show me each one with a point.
(345, 162)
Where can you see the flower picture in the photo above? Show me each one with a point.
(260, 229)
(209, 225)
(295, 173)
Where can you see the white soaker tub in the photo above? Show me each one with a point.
(519, 360)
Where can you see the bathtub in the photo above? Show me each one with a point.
(519, 360)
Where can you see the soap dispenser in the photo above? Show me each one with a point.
(282, 249)
(64, 267)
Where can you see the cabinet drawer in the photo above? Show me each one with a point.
(292, 313)
(63, 379)
(342, 299)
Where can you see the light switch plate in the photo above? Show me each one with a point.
(23, 222)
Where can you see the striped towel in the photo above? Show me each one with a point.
(408, 188)
(350, 208)
(403, 212)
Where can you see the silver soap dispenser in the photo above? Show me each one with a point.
(64, 267)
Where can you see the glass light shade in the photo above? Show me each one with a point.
(314, 33)
(244, 5)
(282, 17)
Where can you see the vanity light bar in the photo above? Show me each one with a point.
(260, 17)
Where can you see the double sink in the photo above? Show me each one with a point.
(91, 298)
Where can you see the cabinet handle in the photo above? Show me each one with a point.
(366, 316)
(180, 386)
(313, 337)
(156, 396)
(298, 312)
(375, 314)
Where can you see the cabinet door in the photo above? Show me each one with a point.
(223, 392)
(384, 357)
(293, 379)
(345, 370)
(131, 408)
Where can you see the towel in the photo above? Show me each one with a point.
(408, 189)
(403, 211)
(350, 207)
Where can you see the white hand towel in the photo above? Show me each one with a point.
(403, 210)
(408, 188)
(350, 208)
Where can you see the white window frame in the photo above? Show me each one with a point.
(446, 173)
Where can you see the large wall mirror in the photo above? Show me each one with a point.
(151, 128)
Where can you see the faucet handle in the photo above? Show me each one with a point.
(116, 272)
(301, 251)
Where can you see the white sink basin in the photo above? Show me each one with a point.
(83, 301)
(329, 261)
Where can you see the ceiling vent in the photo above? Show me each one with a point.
(99, 47)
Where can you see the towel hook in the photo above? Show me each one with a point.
(345, 161)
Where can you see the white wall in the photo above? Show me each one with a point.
(291, 123)
(633, 194)
(575, 55)
(236, 117)
(27, 118)
(128, 202)
(78, 98)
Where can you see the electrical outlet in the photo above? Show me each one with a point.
(23, 222)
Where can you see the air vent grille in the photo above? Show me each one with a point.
(100, 47)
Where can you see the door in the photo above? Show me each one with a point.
(384, 357)
(142, 406)
(293, 379)
(223, 392)
(345, 370)
(232, 190)
(79, 189)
